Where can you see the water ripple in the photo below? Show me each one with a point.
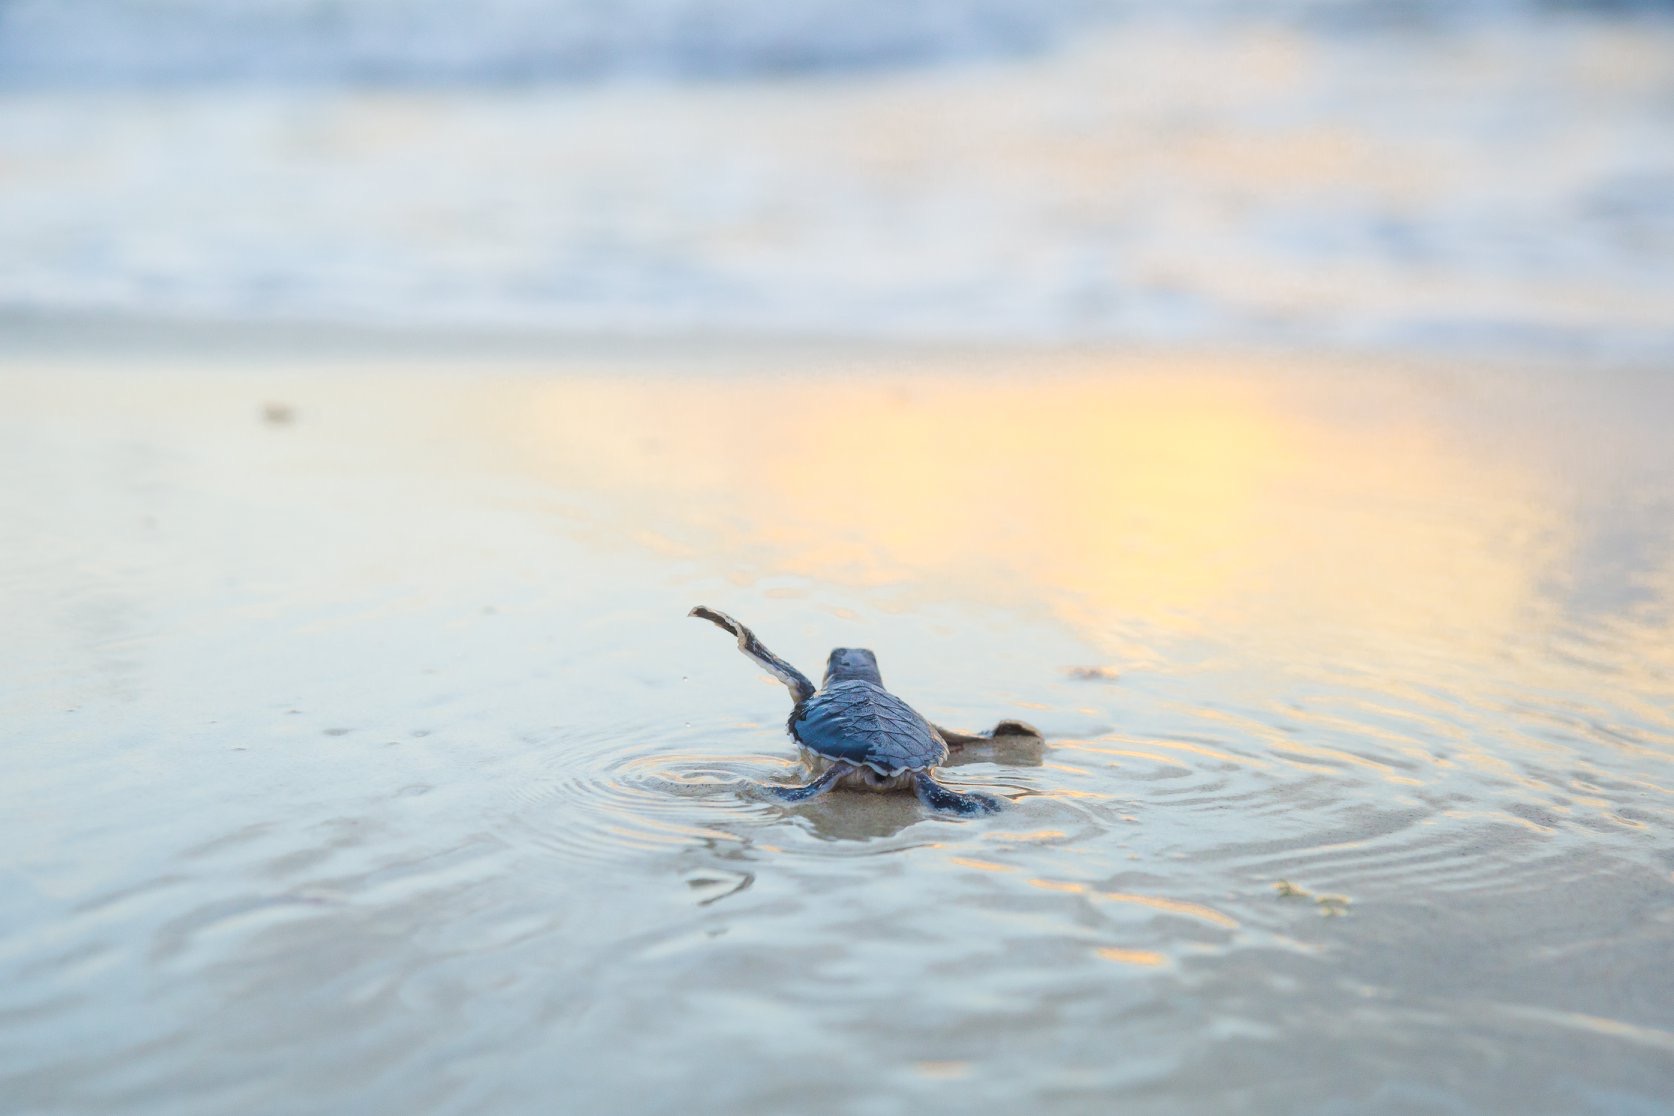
(615, 806)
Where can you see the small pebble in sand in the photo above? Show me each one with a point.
(1092, 673)
(1329, 905)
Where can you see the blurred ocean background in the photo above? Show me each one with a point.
(1482, 174)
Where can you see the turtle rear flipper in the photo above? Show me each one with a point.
(938, 797)
(1006, 732)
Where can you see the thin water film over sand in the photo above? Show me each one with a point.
(361, 756)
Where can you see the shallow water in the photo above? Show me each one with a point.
(363, 759)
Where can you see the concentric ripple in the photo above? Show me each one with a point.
(603, 799)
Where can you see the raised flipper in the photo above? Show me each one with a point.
(801, 689)
(938, 797)
(812, 790)
(1006, 732)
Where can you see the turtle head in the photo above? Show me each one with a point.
(849, 664)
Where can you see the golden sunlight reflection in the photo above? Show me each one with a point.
(1134, 753)
(942, 1071)
(1173, 906)
(1145, 957)
(1069, 886)
(1179, 500)
(1036, 835)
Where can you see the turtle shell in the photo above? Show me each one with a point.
(862, 723)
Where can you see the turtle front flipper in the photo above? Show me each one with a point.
(819, 786)
(801, 689)
(938, 797)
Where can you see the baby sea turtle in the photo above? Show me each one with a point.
(853, 732)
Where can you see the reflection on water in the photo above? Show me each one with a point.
(1262, 507)
(368, 762)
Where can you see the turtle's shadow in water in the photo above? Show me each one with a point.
(859, 815)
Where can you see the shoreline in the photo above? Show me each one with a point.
(117, 338)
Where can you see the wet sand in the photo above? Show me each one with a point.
(361, 757)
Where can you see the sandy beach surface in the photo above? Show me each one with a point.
(360, 757)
